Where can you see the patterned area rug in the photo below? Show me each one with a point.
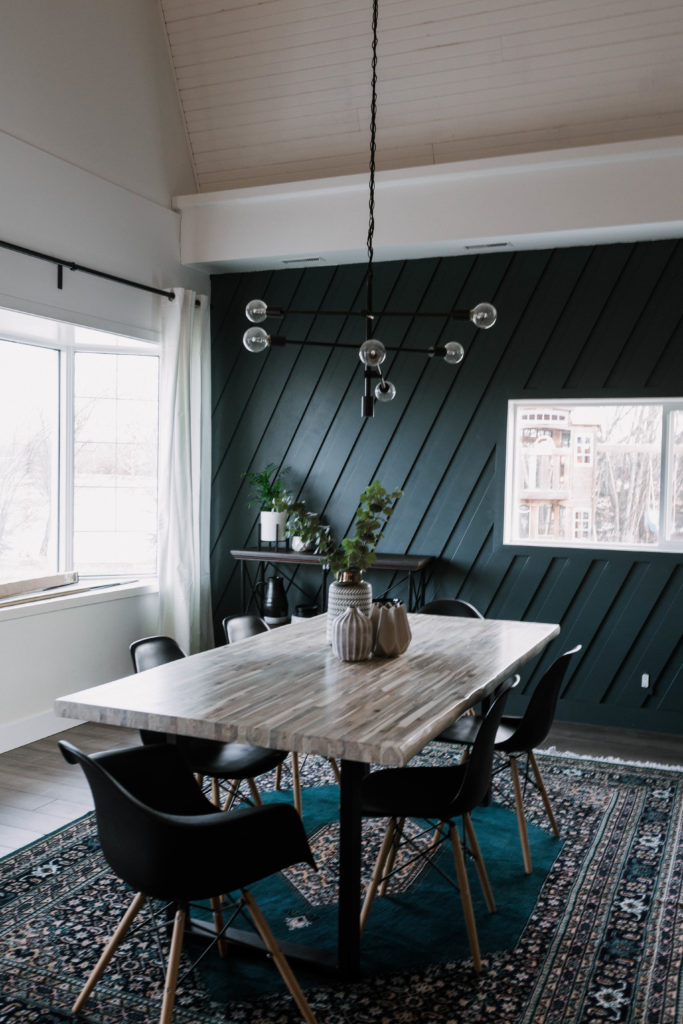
(593, 935)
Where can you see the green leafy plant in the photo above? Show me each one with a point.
(268, 489)
(305, 525)
(375, 509)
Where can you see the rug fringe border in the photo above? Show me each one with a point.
(608, 759)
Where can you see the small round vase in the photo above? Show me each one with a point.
(348, 592)
(352, 635)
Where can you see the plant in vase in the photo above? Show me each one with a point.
(304, 528)
(349, 560)
(269, 494)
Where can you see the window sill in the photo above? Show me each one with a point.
(97, 593)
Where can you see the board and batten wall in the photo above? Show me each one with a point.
(573, 323)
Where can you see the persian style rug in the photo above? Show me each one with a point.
(594, 934)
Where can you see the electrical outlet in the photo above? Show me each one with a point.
(645, 680)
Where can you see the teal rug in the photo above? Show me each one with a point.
(595, 934)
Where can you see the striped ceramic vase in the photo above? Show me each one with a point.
(349, 591)
(352, 635)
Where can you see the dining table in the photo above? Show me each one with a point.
(287, 690)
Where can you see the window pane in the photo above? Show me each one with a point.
(29, 460)
(676, 475)
(589, 474)
(115, 463)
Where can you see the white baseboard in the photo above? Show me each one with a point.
(35, 727)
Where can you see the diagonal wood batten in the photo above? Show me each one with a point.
(286, 689)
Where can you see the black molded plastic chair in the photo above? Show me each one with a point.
(451, 606)
(439, 795)
(237, 627)
(162, 837)
(518, 735)
(210, 758)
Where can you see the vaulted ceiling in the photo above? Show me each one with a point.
(279, 90)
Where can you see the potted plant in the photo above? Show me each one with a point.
(304, 528)
(269, 494)
(349, 560)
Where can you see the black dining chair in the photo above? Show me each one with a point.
(438, 795)
(517, 736)
(234, 762)
(451, 606)
(164, 839)
(238, 627)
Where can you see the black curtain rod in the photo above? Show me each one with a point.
(70, 265)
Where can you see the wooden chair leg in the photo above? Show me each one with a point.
(232, 793)
(521, 820)
(278, 957)
(466, 897)
(544, 793)
(296, 783)
(278, 776)
(255, 795)
(378, 872)
(218, 923)
(389, 866)
(479, 863)
(436, 838)
(335, 769)
(215, 792)
(109, 950)
(172, 967)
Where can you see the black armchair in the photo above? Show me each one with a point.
(208, 758)
(439, 795)
(519, 735)
(161, 836)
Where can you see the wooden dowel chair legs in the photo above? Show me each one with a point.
(521, 820)
(466, 897)
(172, 967)
(544, 794)
(378, 872)
(109, 950)
(283, 967)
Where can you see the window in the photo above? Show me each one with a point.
(622, 487)
(78, 451)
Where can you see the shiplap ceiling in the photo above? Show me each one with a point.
(278, 90)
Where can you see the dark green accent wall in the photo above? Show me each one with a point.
(573, 323)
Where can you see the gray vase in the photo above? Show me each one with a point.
(347, 595)
(352, 635)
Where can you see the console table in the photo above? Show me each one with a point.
(411, 568)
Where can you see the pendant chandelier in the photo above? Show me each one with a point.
(372, 352)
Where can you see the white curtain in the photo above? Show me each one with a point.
(185, 471)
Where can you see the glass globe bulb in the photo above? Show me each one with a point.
(255, 339)
(372, 352)
(484, 315)
(454, 352)
(256, 311)
(385, 391)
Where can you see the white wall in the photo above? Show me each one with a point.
(91, 149)
(59, 646)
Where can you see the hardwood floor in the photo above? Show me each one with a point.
(40, 792)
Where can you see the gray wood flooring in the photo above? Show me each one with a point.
(40, 792)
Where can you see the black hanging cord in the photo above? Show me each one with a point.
(373, 146)
(70, 265)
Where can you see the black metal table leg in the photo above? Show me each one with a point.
(348, 940)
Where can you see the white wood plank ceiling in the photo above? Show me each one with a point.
(279, 90)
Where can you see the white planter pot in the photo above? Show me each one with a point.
(273, 526)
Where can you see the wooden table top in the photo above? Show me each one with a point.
(285, 689)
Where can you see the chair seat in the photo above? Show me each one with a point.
(412, 792)
(229, 760)
(464, 730)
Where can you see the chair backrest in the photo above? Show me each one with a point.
(535, 723)
(477, 780)
(238, 627)
(451, 606)
(151, 651)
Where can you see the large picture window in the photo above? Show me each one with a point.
(589, 474)
(78, 451)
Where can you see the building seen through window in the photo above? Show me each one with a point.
(595, 475)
